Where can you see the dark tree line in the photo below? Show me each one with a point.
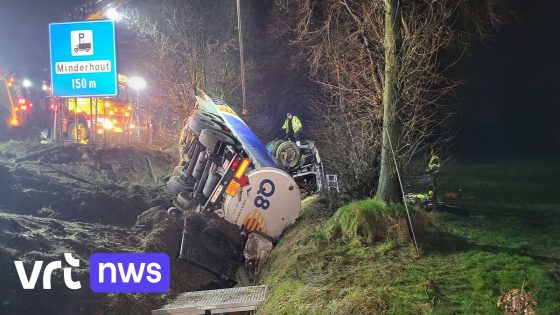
(366, 74)
(383, 78)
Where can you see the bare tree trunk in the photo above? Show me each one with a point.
(388, 187)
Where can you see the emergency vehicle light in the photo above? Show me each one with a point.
(21, 100)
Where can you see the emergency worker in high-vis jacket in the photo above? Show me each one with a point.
(292, 127)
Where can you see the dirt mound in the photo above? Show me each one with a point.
(83, 200)
(78, 183)
(30, 238)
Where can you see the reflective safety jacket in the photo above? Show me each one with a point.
(296, 124)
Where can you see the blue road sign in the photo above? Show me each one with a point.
(83, 58)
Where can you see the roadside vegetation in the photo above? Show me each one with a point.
(500, 234)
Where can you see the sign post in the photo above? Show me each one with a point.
(83, 58)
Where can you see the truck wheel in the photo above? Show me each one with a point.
(184, 200)
(288, 154)
(79, 132)
(173, 211)
(272, 146)
(188, 181)
(198, 123)
(178, 170)
(210, 138)
(175, 186)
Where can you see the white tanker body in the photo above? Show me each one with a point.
(268, 199)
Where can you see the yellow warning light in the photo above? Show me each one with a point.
(14, 122)
(107, 104)
(241, 170)
(129, 107)
(126, 114)
(9, 84)
(111, 113)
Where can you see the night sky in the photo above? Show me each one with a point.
(510, 103)
(24, 32)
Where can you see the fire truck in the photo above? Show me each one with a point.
(14, 108)
(109, 118)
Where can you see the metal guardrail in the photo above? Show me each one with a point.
(239, 299)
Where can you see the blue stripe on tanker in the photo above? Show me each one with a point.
(251, 143)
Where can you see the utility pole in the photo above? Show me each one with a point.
(242, 63)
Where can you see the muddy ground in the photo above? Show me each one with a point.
(85, 200)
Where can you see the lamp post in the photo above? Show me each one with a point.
(26, 83)
(113, 14)
(137, 84)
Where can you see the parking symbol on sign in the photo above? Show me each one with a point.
(81, 43)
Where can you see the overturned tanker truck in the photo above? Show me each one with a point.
(226, 172)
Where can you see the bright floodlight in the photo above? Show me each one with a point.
(44, 87)
(113, 14)
(26, 83)
(137, 83)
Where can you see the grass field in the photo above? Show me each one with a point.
(503, 233)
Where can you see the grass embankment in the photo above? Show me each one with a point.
(505, 233)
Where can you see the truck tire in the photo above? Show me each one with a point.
(174, 185)
(184, 200)
(288, 154)
(201, 113)
(198, 123)
(172, 211)
(78, 131)
(210, 138)
(272, 146)
(188, 181)
(177, 170)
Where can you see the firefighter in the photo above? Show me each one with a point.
(292, 126)
(433, 170)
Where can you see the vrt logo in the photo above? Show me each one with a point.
(129, 272)
(28, 283)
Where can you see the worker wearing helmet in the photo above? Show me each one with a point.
(292, 126)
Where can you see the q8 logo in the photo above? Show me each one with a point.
(266, 189)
